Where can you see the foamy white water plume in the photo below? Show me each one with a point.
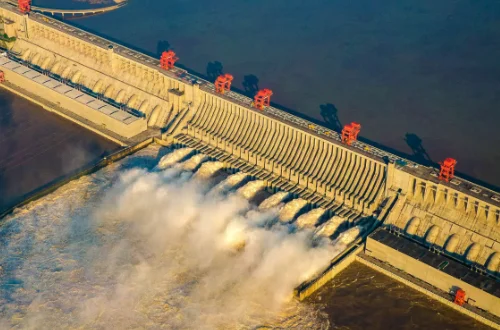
(228, 183)
(124, 249)
(208, 169)
(274, 200)
(251, 189)
(194, 162)
(174, 157)
(310, 219)
(291, 209)
(329, 228)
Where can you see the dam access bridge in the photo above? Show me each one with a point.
(67, 13)
(125, 95)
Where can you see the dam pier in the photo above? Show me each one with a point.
(409, 219)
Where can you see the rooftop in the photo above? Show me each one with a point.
(93, 103)
(443, 263)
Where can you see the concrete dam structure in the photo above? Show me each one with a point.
(128, 96)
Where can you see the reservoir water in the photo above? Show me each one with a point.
(422, 77)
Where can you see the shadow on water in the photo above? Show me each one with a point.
(214, 69)
(329, 112)
(250, 85)
(419, 155)
(161, 46)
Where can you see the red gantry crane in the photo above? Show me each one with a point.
(459, 297)
(24, 6)
(223, 83)
(167, 60)
(447, 169)
(2, 76)
(350, 133)
(262, 98)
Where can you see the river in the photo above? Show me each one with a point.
(38, 147)
(422, 77)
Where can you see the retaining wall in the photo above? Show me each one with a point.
(430, 294)
(432, 275)
(98, 118)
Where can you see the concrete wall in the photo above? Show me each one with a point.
(92, 115)
(322, 166)
(307, 290)
(442, 300)
(442, 216)
(431, 275)
(61, 49)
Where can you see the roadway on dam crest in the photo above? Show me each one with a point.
(38, 147)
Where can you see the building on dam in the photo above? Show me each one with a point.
(439, 228)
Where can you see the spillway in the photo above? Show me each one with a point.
(208, 170)
(229, 183)
(291, 210)
(274, 200)
(310, 219)
(251, 189)
(194, 162)
(174, 157)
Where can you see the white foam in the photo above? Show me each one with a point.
(229, 182)
(310, 219)
(133, 249)
(291, 209)
(350, 235)
(328, 228)
(193, 162)
(208, 169)
(174, 157)
(251, 189)
(274, 200)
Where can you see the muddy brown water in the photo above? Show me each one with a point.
(38, 147)
(361, 298)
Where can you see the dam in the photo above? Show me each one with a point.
(130, 97)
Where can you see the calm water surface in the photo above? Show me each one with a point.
(361, 298)
(37, 147)
(425, 68)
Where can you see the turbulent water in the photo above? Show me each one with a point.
(174, 157)
(135, 246)
(291, 209)
(194, 162)
(230, 182)
(208, 169)
(310, 219)
(274, 200)
(251, 189)
(328, 228)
